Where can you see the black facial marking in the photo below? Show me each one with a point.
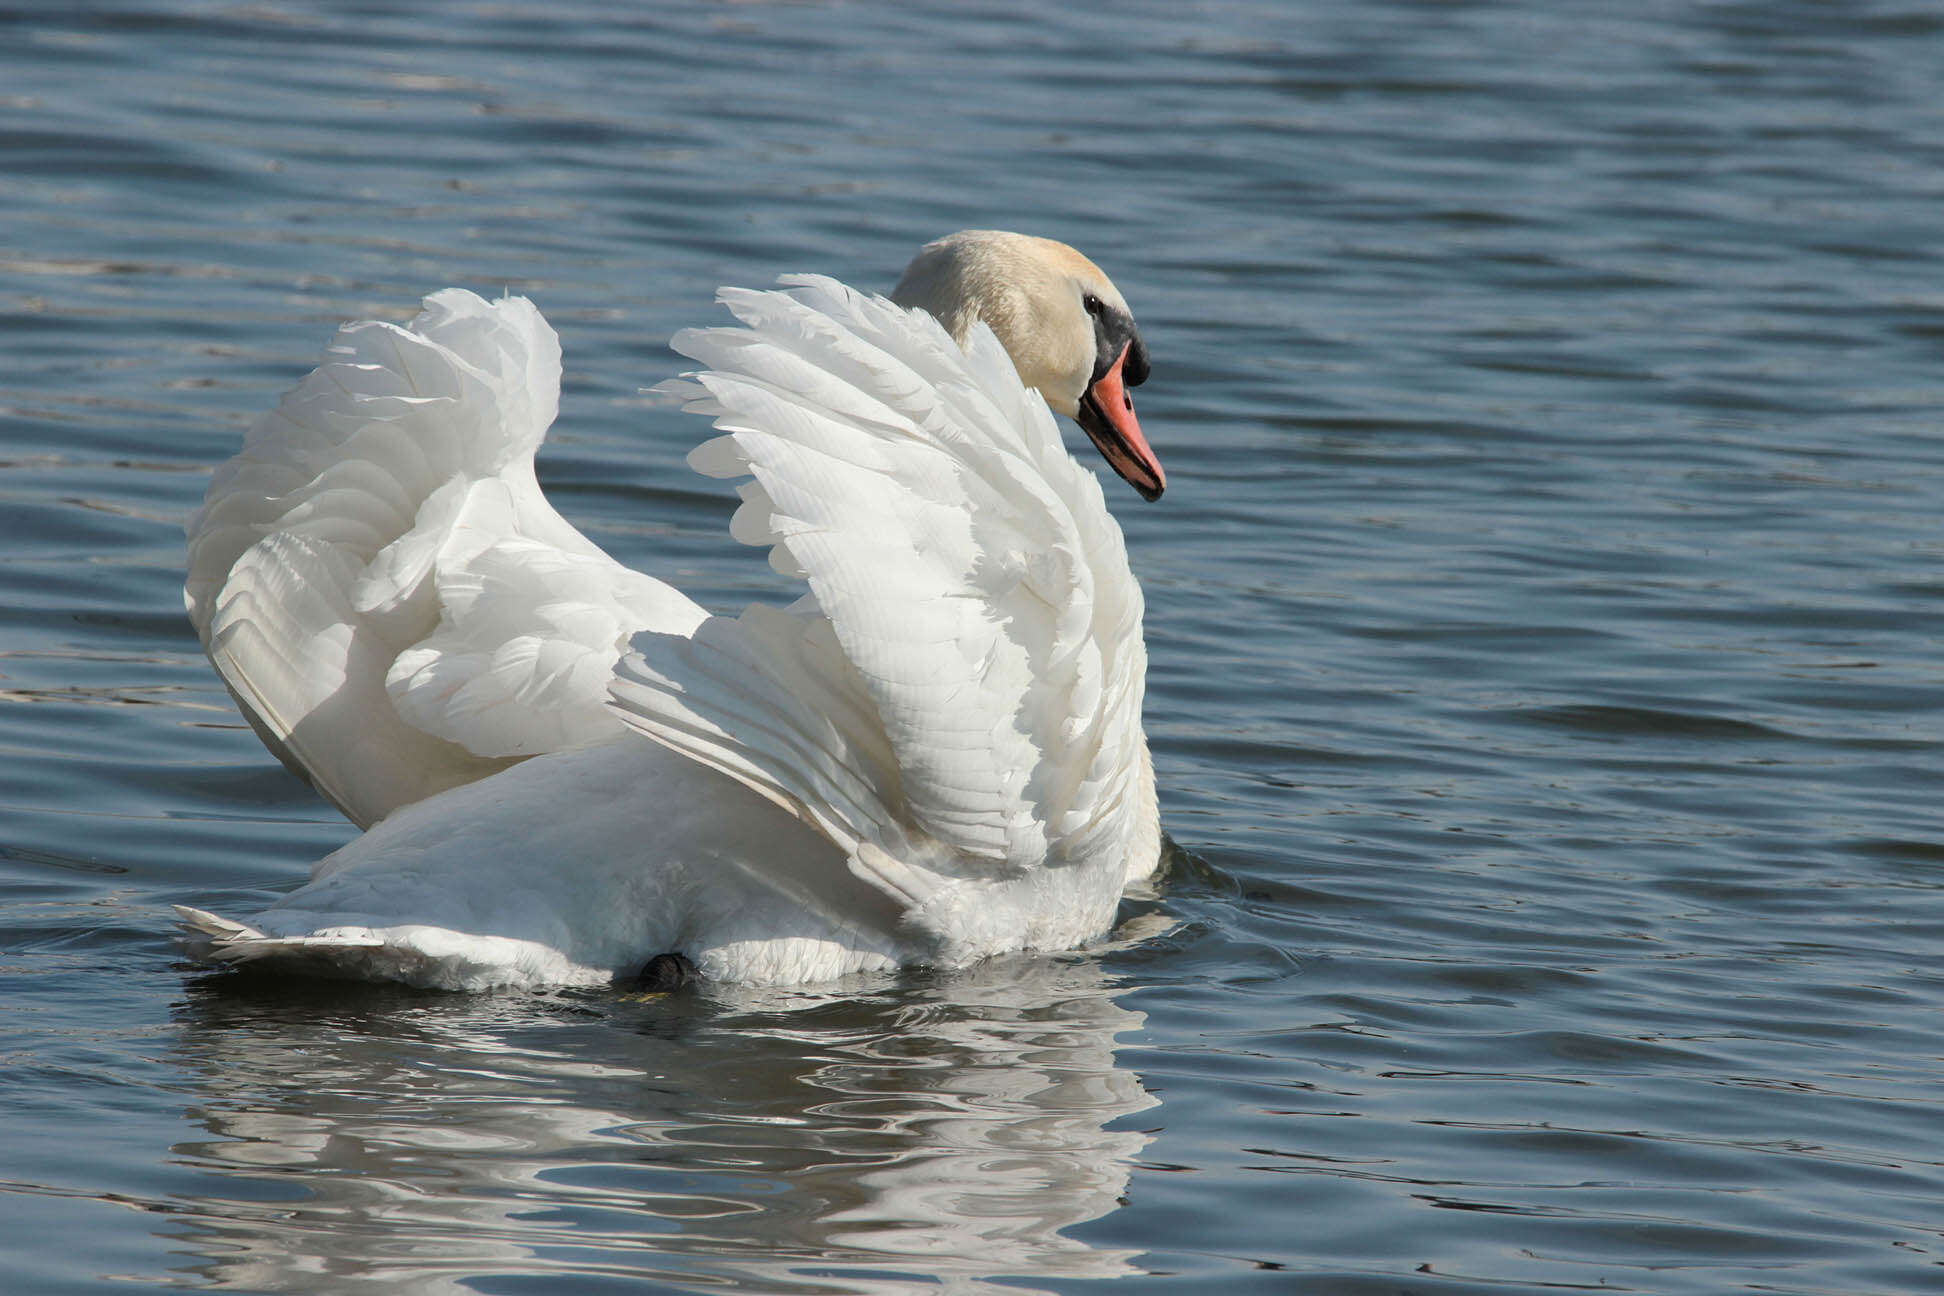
(1113, 330)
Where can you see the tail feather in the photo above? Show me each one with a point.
(431, 958)
(228, 941)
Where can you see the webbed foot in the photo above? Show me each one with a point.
(666, 972)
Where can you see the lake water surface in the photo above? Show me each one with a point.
(1544, 620)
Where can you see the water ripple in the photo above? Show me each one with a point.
(1542, 617)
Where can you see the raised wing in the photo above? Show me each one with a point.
(382, 584)
(960, 693)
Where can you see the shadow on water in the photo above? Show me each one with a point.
(939, 1127)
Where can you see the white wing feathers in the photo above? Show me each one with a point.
(960, 693)
(380, 580)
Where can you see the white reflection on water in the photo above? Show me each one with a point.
(781, 1142)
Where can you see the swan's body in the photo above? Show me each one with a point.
(568, 767)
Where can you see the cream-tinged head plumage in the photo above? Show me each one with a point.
(1060, 318)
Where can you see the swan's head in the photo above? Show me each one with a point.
(1061, 320)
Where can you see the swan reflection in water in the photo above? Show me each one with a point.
(945, 1128)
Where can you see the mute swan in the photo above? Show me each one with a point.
(568, 770)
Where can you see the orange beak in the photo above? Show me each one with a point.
(1106, 414)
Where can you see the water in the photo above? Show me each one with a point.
(1546, 672)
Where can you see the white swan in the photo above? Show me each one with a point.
(935, 755)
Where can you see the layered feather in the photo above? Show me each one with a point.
(382, 584)
(958, 697)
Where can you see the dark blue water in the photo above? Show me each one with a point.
(1544, 623)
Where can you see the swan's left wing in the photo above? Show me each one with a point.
(383, 586)
(960, 693)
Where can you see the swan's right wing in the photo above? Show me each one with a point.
(960, 694)
(381, 583)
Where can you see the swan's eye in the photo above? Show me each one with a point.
(1092, 303)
